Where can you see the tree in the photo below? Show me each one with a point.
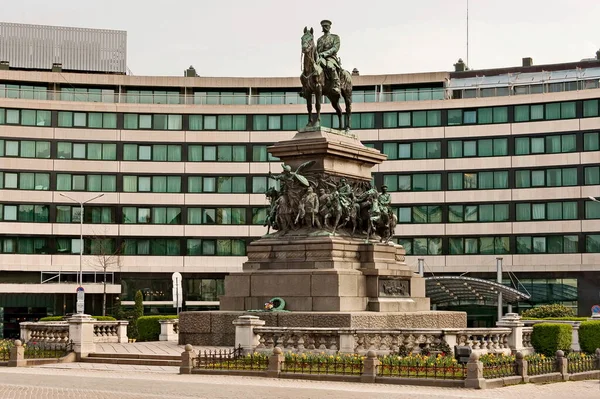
(106, 257)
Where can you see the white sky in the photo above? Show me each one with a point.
(262, 37)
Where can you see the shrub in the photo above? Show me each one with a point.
(138, 311)
(62, 318)
(149, 328)
(547, 338)
(589, 336)
(557, 318)
(554, 310)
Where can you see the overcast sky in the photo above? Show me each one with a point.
(262, 37)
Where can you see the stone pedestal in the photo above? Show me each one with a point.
(81, 332)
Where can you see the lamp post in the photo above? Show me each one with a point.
(80, 278)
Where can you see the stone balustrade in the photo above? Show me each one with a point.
(59, 332)
(169, 330)
(574, 331)
(527, 331)
(382, 342)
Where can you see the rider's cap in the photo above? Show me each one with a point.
(325, 22)
(384, 186)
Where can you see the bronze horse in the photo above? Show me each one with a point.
(314, 81)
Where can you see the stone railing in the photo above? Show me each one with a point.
(573, 323)
(527, 337)
(45, 332)
(59, 332)
(169, 330)
(348, 340)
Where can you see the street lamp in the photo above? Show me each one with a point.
(595, 199)
(80, 279)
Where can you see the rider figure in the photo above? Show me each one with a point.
(327, 47)
(346, 197)
(384, 200)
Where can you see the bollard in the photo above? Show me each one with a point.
(370, 367)
(275, 361)
(562, 365)
(521, 366)
(187, 360)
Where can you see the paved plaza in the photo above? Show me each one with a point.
(124, 382)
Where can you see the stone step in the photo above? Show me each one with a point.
(135, 356)
(132, 361)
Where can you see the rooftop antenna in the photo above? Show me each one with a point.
(467, 33)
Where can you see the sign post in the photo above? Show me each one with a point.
(595, 309)
(80, 300)
(177, 291)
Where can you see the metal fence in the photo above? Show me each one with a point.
(45, 350)
(537, 366)
(344, 365)
(500, 368)
(434, 371)
(231, 359)
(580, 362)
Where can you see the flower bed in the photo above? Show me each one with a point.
(231, 360)
(345, 364)
(579, 362)
(5, 345)
(421, 366)
(498, 365)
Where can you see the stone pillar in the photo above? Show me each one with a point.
(122, 332)
(575, 347)
(450, 338)
(598, 359)
(562, 365)
(515, 339)
(595, 316)
(244, 332)
(81, 332)
(25, 332)
(275, 361)
(521, 366)
(370, 367)
(346, 341)
(187, 360)
(167, 332)
(17, 355)
(475, 373)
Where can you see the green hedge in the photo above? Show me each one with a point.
(61, 318)
(547, 338)
(589, 336)
(557, 318)
(148, 327)
(554, 310)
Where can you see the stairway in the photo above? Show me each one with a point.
(141, 359)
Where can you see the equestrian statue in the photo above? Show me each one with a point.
(322, 74)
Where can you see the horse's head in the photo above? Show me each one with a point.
(308, 41)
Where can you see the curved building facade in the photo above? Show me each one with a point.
(481, 165)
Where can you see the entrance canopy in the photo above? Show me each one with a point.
(461, 289)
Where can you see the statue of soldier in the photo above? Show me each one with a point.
(346, 197)
(309, 209)
(384, 199)
(328, 46)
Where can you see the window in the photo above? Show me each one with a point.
(87, 94)
(217, 122)
(29, 92)
(591, 175)
(90, 151)
(24, 181)
(421, 246)
(419, 214)
(91, 214)
(24, 149)
(216, 216)
(260, 184)
(216, 247)
(550, 144)
(23, 245)
(546, 211)
(151, 215)
(478, 180)
(546, 178)
(87, 119)
(592, 210)
(547, 244)
(25, 117)
(216, 184)
(412, 119)
(152, 96)
(415, 150)
(478, 213)
(417, 94)
(550, 111)
(591, 141)
(152, 246)
(152, 152)
(98, 183)
(492, 115)
(24, 213)
(259, 215)
(260, 154)
(592, 243)
(221, 97)
(154, 184)
(462, 117)
(217, 153)
(152, 122)
(478, 148)
(590, 108)
(414, 182)
(478, 245)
